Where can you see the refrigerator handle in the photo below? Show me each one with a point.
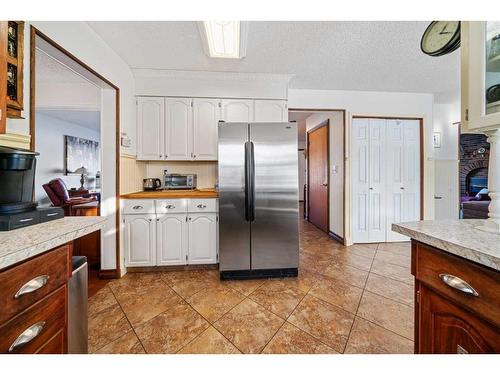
(249, 182)
(251, 203)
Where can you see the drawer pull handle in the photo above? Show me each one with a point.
(53, 214)
(25, 220)
(169, 206)
(458, 284)
(32, 285)
(137, 207)
(201, 206)
(28, 335)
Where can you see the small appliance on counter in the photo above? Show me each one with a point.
(17, 176)
(151, 184)
(179, 181)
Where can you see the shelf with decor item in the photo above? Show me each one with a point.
(14, 61)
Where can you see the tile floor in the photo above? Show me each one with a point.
(356, 299)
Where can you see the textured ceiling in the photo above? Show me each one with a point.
(373, 56)
(50, 70)
(87, 119)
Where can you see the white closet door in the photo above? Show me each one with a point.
(360, 178)
(411, 171)
(178, 128)
(377, 193)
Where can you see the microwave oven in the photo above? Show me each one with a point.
(179, 181)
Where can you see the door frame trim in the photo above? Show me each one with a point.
(341, 239)
(323, 124)
(34, 32)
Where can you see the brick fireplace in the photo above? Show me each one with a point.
(474, 159)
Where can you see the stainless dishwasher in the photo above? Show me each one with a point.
(77, 309)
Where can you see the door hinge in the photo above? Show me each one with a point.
(467, 114)
(418, 296)
(217, 258)
(217, 218)
(220, 105)
(186, 219)
(186, 258)
(192, 105)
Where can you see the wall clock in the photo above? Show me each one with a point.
(441, 38)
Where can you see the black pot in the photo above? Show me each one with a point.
(493, 94)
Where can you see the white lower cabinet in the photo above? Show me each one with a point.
(202, 238)
(140, 240)
(171, 239)
(186, 236)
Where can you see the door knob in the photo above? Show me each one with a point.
(436, 197)
(325, 184)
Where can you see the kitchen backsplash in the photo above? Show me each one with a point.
(206, 171)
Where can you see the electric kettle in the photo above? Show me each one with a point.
(151, 184)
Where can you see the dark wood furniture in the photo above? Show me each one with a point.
(457, 303)
(3, 76)
(15, 57)
(89, 245)
(34, 303)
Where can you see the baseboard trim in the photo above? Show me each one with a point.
(336, 237)
(109, 274)
(192, 267)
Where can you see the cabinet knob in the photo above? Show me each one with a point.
(169, 206)
(402, 188)
(201, 206)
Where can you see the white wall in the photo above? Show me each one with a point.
(369, 103)
(336, 172)
(50, 144)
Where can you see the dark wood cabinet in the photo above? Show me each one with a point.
(448, 317)
(3, 76)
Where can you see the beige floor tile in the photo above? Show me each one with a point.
(313, 263)
(210, 342)
(353, 260)
(392, 271)
(347, 274)
(291, 340)
(304, 281)
(392, 289)
(398, 248)
(244, 287)
(106, 326)
(172, 329)
(103, 299)
(144, 304)
(368, 338)
(337, 293)
(187, 283)
(134, 281)
(389, 257)
(249, 326)
(278, 297)
(365, 250)
(214, 302)
(387, 313)
(324, 321)
(127, 344)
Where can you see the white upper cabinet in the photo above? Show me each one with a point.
(150, 128)
(171, 240)
(206, 116)
(202, 238)
(178, 128)
(480, 48)
(270, 111)
(237, 110)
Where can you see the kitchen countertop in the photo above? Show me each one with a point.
(458, 237)
(20, 244)
(169, 194)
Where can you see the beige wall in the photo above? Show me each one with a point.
(131, 174)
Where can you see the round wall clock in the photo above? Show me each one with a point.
(441, 38)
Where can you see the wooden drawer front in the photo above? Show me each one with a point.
(171, 206)
(138, 206)
(50, 313)
(202, 205)
(431, 263)
(55, 345)
(56, 265)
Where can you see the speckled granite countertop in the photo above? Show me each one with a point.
(458, 237)
(20, 244)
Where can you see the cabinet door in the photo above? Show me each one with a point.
(202, 238)
(206, 116)
(140, 246)
(171, 239)
(236, 110)
(270, 111)
(178, 128)
(446, 328)
(150, 128)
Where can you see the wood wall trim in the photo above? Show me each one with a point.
(34, 32)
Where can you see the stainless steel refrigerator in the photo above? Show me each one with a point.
(258, 200)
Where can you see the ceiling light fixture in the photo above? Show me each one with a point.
(224, 39)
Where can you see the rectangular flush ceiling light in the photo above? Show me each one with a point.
(224, 39)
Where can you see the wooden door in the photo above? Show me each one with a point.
(317, 171)
(150, 128)
(446, 328)
(237, 110)
(171, 240)
(270, 111)
(206, 116)
(202, 238)
(178, 128)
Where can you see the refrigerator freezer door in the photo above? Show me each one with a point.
(234, 229)
(274, 231)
